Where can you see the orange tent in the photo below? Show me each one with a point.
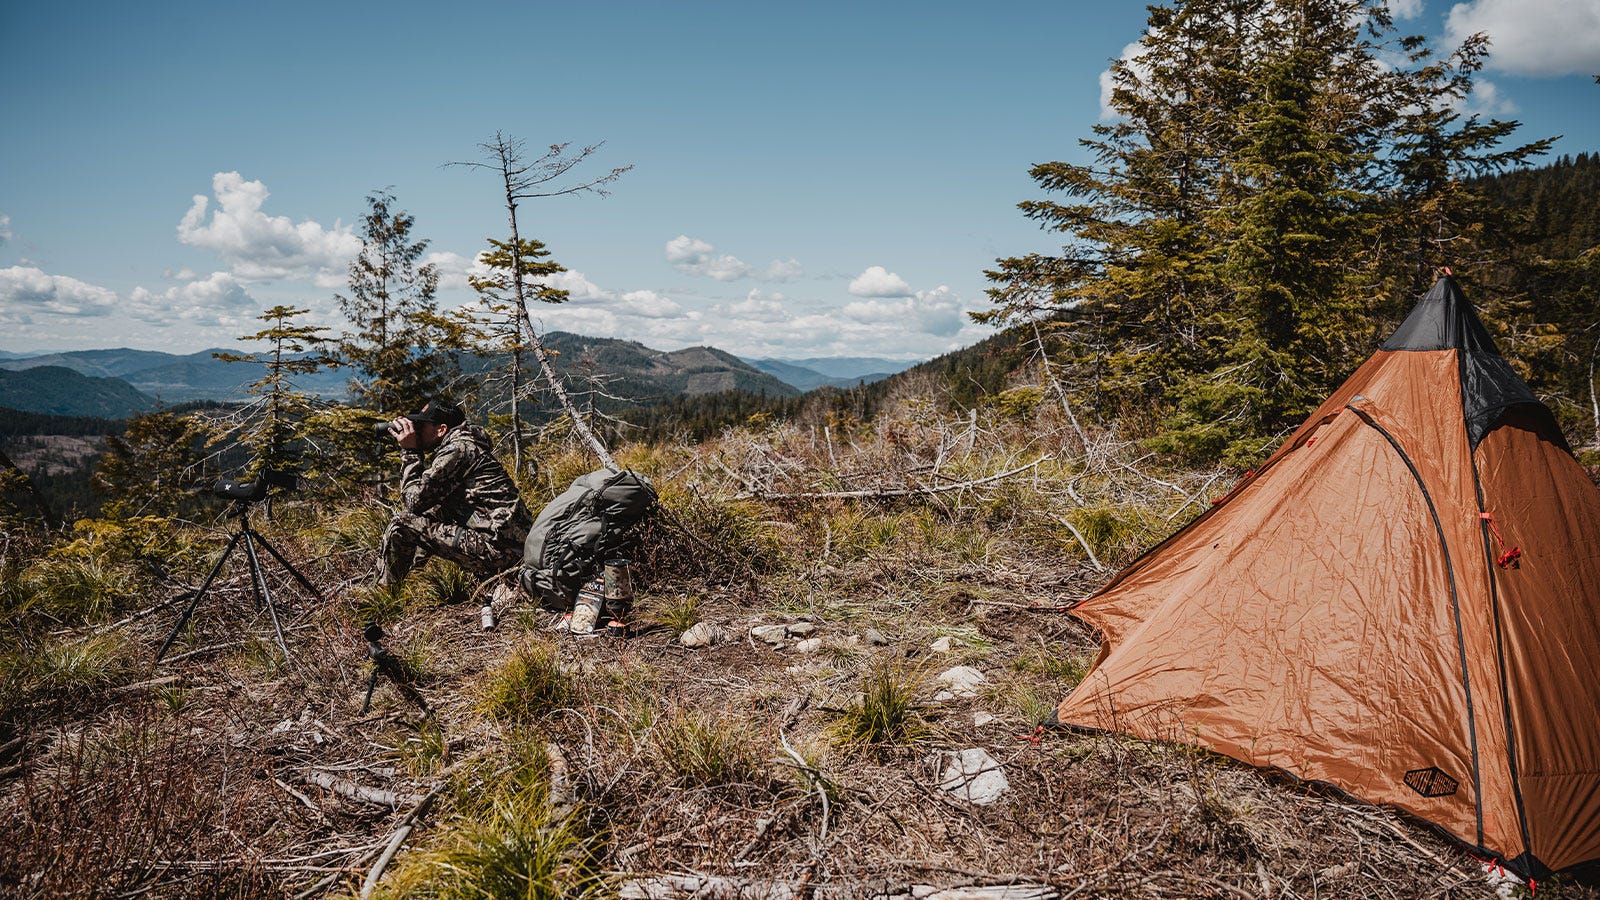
(1402, 602)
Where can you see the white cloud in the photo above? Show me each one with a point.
(218, 300)
(453, 268)
(1133, 56)
(5, 230)
(1532, 37)
(1487, 100)
(759, 307)
(696, 257)
(877, 281)
(1404, 9)
(26, 291)
(578, 287)
(937, 312)
(649, 305)
(259, 247)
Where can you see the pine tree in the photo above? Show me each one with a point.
(498, 318)
(391, 302)
(151, 469)
(1272, 180)
(274, 420)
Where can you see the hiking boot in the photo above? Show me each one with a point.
(617, 629)
(563, 625)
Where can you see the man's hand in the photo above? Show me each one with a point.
(405, 434)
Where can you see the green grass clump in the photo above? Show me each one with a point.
(378, 603)
(70, 671)
(705, 750)
(887, 712)
(444, 583)
(524, 847)
(76, 588)
(678, 613)
(527, 686)
(359, 529)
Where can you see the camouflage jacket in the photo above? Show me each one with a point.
(463, 484)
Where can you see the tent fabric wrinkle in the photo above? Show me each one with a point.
(1341, 615)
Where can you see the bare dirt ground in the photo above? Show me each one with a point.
(231, 771)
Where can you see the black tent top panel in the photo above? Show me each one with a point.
(1442, 320)
(1445, 320)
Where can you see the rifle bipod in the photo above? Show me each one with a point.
(384, 664)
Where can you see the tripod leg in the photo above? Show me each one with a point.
(304, 582)
(372, 684)
(183, 618)
(261, 589)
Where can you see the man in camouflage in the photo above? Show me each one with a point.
(460, 504)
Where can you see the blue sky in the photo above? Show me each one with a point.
(811, 179)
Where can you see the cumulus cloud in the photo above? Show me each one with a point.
(1133, 56)
(1532, 37)
(218, 299)
(877, 281)
(937, 312)
(26, 292)
(696, 257)
(759, 307)
(649, 305)
(1404, 9)
(259, 247)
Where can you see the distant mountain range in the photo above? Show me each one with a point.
(843, 371)
(122, 382)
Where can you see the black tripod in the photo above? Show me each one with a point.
(244, 495)
(383, 663)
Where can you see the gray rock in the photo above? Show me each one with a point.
(772, 634)
(942, 645)
(962, 681)
(980, 719)
(702, 634)
(800, 629)
(973, 775)
(875, 637)
(809, 645)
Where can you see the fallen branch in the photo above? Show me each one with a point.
(816, 781)
(893, 492)
(404, 830)
(1193, 497)
(1094, 560)
(353, 791)
(201, 652)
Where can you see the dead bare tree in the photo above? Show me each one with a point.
(523, 179)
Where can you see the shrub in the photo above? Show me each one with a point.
(528, 685)
(886, 712)
(524, 848)
(444, 583)
(705, 749)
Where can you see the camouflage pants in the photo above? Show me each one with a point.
(411, 539)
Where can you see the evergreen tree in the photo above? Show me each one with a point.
(273, 421)
(152, 468)
(1232, 247)
(498, 318)
(392, 305)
